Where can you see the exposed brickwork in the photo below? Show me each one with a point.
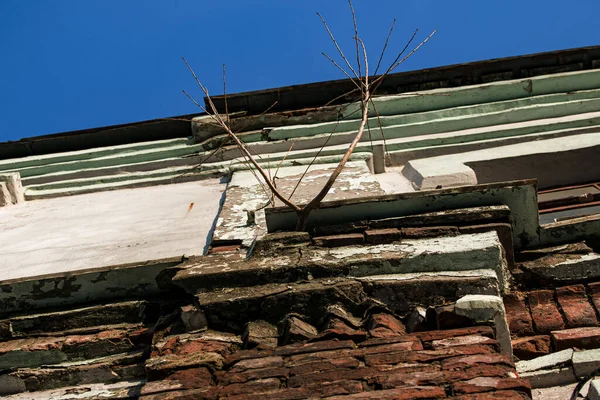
(576, 307)
(530, 347)
(382, 236)
(342, 360)
(347, 239)
(545, 314)
(594, 292)
(581, 338)
(517, 313)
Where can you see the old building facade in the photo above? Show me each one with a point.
(456, 256)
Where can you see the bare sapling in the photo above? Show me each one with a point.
(364, 84)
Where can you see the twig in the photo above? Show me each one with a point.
(343, 71)
(338, 47)
(355, 37)
(239, 143)
(387, 39)
(225, 95)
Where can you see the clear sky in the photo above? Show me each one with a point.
(69, 65)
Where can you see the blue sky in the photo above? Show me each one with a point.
(69, 65)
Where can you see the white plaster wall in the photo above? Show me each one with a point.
(106, 228)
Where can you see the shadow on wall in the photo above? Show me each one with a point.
(556, 169)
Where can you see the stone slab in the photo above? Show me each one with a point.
(585, 362)
(109, 228)
(550, 377)
(549, 361)
(519, 196)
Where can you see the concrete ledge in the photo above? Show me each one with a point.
(519, 196)
(83, 287)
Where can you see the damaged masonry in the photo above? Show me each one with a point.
(456, 257)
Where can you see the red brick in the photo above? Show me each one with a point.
(446, 318)
(252, 374)
(194, 394)
(338, 329)
(324, 365)
(385, 326)
(348, 239)
(32, 344)
(479, 370)
(576, 307)
(224, 249)
(545, 314)
(519, 318)
(399, 346)
(259, 386)
(196, 346)
(308, 391)
(382, 236)
(257, 363)
(321, 356)
(451, 333)
(426, 378)
(594, 291)
(412, 341)
(192, 378)
(404, 393)
(333, 375)
(488, 384)
(296, 330)
(531, 347)
(425, 355)
(581, 338)
(463, 341)
(466, 361)
(363, 374)
(500, 395)
(291, 349)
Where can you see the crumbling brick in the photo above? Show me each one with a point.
(297, 330)
(582, 338)
(429, 232)
(385, 325)
(527, 348)
(382, 236)
(348, 239)
(260, 333)
(518, 316)
(576, 307)
(545, 314)
(338, 329)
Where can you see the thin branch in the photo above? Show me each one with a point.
(282, 160)
(332, 178)
(225, 95)
(366, 96)
(343, 71)
(241, 145)
(338, 47)
(403, 50)
(380, 124)
(315, 157)
(355, 37)
(194, 101)
(387, 39)
(414, 50)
